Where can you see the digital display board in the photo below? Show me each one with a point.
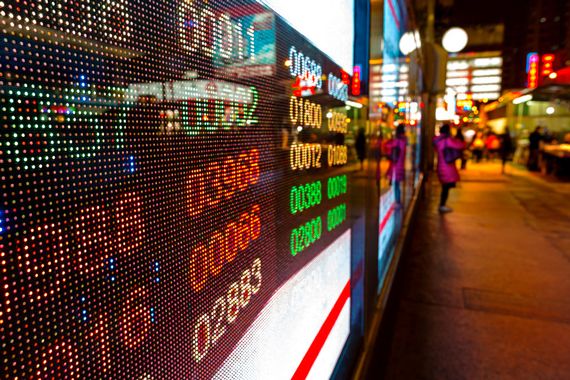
(175, 193)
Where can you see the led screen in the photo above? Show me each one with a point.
(326, 23)
(175, 193)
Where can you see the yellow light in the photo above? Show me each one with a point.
(553, 76)
(288, 63)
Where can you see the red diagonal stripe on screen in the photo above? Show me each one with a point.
(319, 341)
(387, 217)
(394, 14)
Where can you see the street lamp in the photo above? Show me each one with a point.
(455, 40)
(409, 42)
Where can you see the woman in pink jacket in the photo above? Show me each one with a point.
(397, 154)
(446, 171)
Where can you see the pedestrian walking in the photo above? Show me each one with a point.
(492, 145)
(506, 148)
(478, 146)
(535, 138)
(396, 148)
(465, 153)
(448, 150)
(360, 146)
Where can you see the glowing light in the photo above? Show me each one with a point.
(353, 104)
(304, 197)
(337, 89)
(409, 42)
(355, 81)
(522, 99)
(305, 156)
(486, 88)
(337, 186)
(337, 122)
(208, 259)
(305, 113)
(532, 70)
(487, 72)
(232, 175)
(455, 40)
(306, 235)
(336, 217)
(211, 326)
(305, 68)
(486, 80)
(337, 155)
(550, 110)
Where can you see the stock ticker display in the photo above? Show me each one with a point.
(174, 194)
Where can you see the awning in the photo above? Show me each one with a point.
(554, 87)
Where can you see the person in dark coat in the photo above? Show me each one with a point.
(360, 145)
(506, 148)
(535, 139)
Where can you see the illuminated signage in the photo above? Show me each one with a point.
(475, 78)
(532, 67)
(547, 64)
(152, 220)
(356, 81)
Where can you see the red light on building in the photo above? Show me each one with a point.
(547, 64)
(532, 70)
(345, 77)
(356, 80)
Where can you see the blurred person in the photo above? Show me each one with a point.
(506, 148)
(396, 148)
(492, 145)
(566, 138)
(478, 146)
(360, 146)
(464, 156)
(448, 150)
(535, 138)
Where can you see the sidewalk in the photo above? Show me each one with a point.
(486, 289)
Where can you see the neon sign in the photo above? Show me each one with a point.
(532, 70)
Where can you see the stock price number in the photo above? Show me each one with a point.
(305, 196)
(336, 217)
(305, 156)
(211, 326)
(305, 113)
(304, 236)
(337, 186)
(337, 122)
(337, 155)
